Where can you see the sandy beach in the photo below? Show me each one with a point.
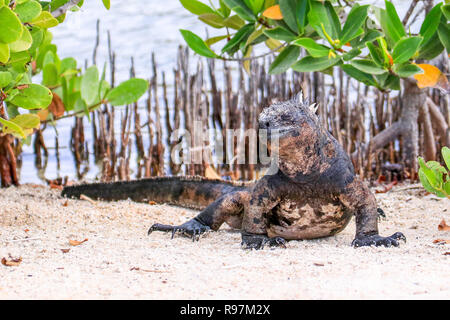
(119, 261)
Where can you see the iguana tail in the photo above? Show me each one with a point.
(189, 191)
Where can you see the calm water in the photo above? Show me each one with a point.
(137, 28)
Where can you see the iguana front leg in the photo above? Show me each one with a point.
(263, 198)
(228, 208)
(357, 197)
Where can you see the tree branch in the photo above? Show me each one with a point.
(429, 140)
(381, 139)
(64, 8)
(439, 122)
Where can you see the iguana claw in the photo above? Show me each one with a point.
(378, 240)
(258, 241)
(193, 228)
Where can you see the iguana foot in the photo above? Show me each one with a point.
(258, 241)
(381, 213)
(378, 240)
(193, 228)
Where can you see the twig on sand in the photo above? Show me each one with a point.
(83, 197)
(18, 240)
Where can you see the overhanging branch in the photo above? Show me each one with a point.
(64, 8)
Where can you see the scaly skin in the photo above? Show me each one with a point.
(313, 194)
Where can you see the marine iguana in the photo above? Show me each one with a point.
(313, 194)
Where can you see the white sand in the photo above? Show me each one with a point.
(119, 261)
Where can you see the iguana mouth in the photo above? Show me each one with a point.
(278, 133)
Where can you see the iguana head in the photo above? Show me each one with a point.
(306, 151)
(283, 117)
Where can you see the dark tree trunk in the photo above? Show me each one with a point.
(8, 164)
(413, 99)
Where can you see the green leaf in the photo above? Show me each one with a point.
(34, 96)
(240, 36)
(427, 185)
(4, 52)
(431, 175)
(367, 66)
(68, 64)
(224, 10)
(309, 64)
(394, 24)
(446, 155)
(19, 60)
(10, 26)
(255, 5)
(107, 4)
(197, 44)
(127, 92)
(390, 23)
(29, 10)
(351, 54)
(302, 7)
(369, 36)
(196, 7)
(13, 127)
(45, 20)
(324, 14)
(446, 11)
(407, 70)
(23, 43)
(213, 40)
(50, 75)
(431, 23)
(444, 35)
(27, 121)
(241, 9)
(359, 75)
(90, 85)
(354, 22)
(212, 19)
(5, 78)
(390, 82)
(37, 34)
(405, 49)
(284, 60)
(234, 22)
(431, 49)
(314, 49)
(280, 33)
(376, 54)
(288, 9)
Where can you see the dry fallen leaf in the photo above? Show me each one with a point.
(76, 243)
(56, 106)
(65, 250)
(388, 187)
(431, 77)
(443, 226)
(12, 262)
(152, 203)
(43, 114)
(441, 241)
(65, 204)
(273, 12)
